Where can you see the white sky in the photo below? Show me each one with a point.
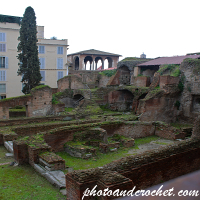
(125, 27)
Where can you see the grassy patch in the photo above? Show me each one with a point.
(108, 73)
(145, 140)
(24, 183)
(3, 158)
(161, 143)
(102, 159)
(69, 109)
(179, 126)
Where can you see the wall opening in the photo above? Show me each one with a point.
(17, 111)
(77, 63)
(121, 100)
(77, 98)
(196, 103)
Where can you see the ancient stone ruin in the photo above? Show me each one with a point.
(109, 111)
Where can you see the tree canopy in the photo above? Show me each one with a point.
(29, 66)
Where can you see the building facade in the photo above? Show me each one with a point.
(52, 54)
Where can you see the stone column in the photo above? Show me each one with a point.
(196, 128)
(102, 64)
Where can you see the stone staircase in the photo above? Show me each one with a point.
(56, 177)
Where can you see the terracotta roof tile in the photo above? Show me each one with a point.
(168, 60)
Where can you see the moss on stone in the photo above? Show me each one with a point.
(12, 98)
(39, 87)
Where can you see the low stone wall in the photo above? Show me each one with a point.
(13, 122)
(33, 129)
(133, 129)
(51, 161)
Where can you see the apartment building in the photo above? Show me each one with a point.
(52, 54)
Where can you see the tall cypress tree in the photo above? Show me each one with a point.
(29, 66)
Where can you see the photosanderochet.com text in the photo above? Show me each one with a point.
(122, 193)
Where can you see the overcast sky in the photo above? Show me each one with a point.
(125, 27)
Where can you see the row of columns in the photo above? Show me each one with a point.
(93, 63)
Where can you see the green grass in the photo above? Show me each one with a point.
(179, 126)
(3, 158)
(23, 182)
(102, 159)
(69, 109)
(161, 143)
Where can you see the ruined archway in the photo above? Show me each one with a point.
(120, 100)
(76, 64)
(135, 103)
(77, 98)
(124, 77)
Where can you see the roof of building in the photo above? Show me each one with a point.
(168, 60)
(94, 52)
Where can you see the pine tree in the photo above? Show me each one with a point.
(29, 66)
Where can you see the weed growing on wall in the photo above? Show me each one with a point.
(108, 73)
(173, 69)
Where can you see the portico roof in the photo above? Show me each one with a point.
(94, 52)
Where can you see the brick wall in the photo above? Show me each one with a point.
(103, 81)
(37, 104)
(131, 129)
(141, 81)
(40, 102)
(30, 120)
(34, 154)
(158, 109)
(20, 153)
(166, 80)
(33, 129)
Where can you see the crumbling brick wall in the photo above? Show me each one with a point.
(38, 103)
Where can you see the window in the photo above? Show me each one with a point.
(2, 75)
(41, 49)
(60, 75)
(2, 47)
(43, 75)
(42, 63)
(60, 50)
(2, 88)
(59, 63)
(2, 97)
(3, 62)
(2, 37)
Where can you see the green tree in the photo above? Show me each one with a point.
(29, 65)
